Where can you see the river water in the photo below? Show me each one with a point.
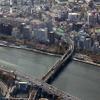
(32, 63)
(79, 79)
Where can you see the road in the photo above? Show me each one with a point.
(3, 88)
(39, 83)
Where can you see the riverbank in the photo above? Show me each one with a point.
(31, 49)
(85, 59)
(51, 54)
(88, 62)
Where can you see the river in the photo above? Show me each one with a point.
(32, 63)
(79, 79)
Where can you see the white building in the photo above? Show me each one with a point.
(27, 32)
(84, 43)
(73, 16)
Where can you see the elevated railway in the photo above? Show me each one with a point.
(42, 83)
(39, 83)
(59, 63)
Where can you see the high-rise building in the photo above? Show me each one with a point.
(5, 29)
(22, 25)
(73, 17)
(51, 37)
(84, 43)
(26, 32)
(41, 34)
(91, 20)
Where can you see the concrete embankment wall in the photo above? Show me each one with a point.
(88, 62)
(31, 49)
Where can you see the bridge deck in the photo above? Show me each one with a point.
(40, 83)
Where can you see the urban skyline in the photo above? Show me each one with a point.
(70, 29)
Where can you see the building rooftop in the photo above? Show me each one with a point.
(59, 31)
(64, 1)
(22, 82)
(97, 30)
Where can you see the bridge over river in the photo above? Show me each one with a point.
(41, 83)
(59, 64)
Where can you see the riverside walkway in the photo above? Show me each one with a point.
(40, 83)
